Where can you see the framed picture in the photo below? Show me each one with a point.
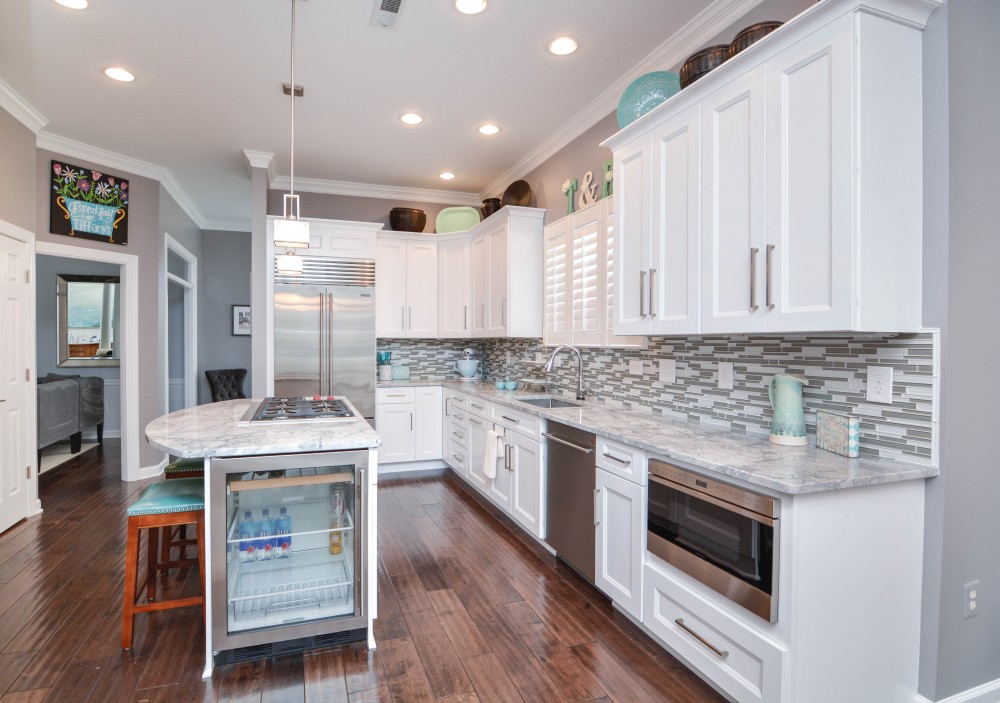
(241, 319)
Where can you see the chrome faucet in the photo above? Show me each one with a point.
(580, 393)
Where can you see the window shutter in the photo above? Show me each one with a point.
(588, 303)
(557, 321)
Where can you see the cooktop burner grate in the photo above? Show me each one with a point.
(318, 407)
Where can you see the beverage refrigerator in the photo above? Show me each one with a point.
(285, 585)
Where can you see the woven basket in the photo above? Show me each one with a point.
(751, 34)
(702, 62)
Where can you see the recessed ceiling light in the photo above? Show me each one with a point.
(119, 74)
(470, 7)
(488, 129)
(74, 4)
(560, 46)
(447, 175)
(411, 118)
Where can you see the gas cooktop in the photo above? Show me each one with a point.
(315, 408)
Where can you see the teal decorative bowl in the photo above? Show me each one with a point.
(645, 93)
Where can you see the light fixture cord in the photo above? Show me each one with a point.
(291, 176)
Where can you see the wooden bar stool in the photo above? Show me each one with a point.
(182, 468)
(162, 505)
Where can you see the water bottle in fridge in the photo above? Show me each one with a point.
(284, 531)
(248, 533)
(265, 531)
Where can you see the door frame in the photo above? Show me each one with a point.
(129, 329)
(190, 323)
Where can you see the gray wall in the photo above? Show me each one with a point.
(961, 291)
(224, 281)
(17, 177)
(349, 207)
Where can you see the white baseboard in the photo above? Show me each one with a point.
(146, 472)
(38, 508)
(403, 467)
(988, 692)
(108, 434)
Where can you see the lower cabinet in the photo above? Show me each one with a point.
(409, 422)
(620, 543)
(526, 489)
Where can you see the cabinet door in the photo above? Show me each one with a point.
(556, 329)
(421, 289)
(526, 499)
(633, 171)
(480, 284)
(394, 423)
(674, 257)
(808, 260)
(427, 440)
(589, 283)
(454, 289)
(732, 222)
(477, 450)
(500, 488)
(390, 288)
(498, 308)
(610, 338)
(621, 509)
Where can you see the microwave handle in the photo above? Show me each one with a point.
(726, 505)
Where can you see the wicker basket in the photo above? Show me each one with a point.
(751, 34)
(702, 62)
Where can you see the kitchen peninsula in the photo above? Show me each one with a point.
(321, 475)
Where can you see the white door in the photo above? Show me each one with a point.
(620, 509)
(394, 422)
(477, 450)
(427, 423)
(390, 288)
(526, 494)
(455, 289)
(632, 204)
(499, 302)
(16, 445)
(589, 284)
(500, 487)
(732, 222)
(421, 289)
(556, 325)
(480, 284)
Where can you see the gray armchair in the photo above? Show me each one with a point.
(90, 400)
(59, 414)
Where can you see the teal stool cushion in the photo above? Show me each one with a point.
(185, 465)
(177, 496)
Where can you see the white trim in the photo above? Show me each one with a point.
(985, 693)
(146, 472)
(694, 35)
(113, 160)
(129, 373)
(369, 190)
(20, 109)
(260, 159)
(190, 287)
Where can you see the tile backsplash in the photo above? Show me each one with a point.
(835, 366)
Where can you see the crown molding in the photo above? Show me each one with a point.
(113, 160)
(20, 109)
(260, 159)
(368, 190)
(692, 36)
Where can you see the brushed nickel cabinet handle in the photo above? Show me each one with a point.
(446, 401)
(411, 317)
(459, 459)
(465, 317)
(402, 315)
(720, 653)
(510, 419)
(482, 314)
(503, 312)
(767, 276)
(597, 506)
(642, 293)
(753, 278)
(478, 422)
(652, 272)
(623, 462)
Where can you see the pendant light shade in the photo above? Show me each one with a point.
(291, 232)
(288, 264)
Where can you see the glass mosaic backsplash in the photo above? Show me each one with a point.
(835, 367)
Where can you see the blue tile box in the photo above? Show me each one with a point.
(838, 433)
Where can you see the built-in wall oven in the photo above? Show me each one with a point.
(721, 534)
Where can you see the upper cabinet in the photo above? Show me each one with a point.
(455, 288)
(514, 269)
(782, 192)
(406, 287)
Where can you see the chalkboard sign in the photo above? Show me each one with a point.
(88, 204)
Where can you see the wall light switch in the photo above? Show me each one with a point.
(879, 384)
(635, 367)
(726, 375)
(668, 371)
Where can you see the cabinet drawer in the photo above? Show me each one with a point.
(622, 460)
(528, 425)
(480, 407)
(395, 395)
(458, 433)
(741, 661)
(457, 457)
(478, 422)
(455, 401)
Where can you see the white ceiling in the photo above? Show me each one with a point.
(209, 75)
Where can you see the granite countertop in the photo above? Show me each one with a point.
(215, 430)
(747, 457)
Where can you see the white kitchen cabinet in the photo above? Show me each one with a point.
(514, 265)
(478, 427)
(406, 287)
(499, 287)
(480, 283)
(620, 543)
(526, 491)
(409, 422)
(394, 424)
(633, 194)
(454, 288)
(427, 442)
(455, 416)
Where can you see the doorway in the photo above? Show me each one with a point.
(180, 331)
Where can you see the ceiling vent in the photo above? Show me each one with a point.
(385, 14)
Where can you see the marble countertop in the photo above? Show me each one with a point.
(216, 429)
(747, 457)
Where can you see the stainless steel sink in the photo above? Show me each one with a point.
(548, 402)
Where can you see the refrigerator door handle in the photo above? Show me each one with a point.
(324, 331)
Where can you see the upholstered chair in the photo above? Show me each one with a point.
(226, 384)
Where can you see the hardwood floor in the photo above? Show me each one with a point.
(469, 610)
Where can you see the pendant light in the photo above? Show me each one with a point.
(291, 232)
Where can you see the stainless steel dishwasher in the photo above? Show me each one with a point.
(571, 475)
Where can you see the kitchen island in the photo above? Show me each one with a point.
(321, 476)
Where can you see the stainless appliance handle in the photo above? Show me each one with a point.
(731, 507)
(753, 278)
(329, 351)
(652, 273)
(623, 462)
(324, 332)
(642, 292)
(767, 276)
(585, 450)
(360, 576)
(720, 653)
(597, 506)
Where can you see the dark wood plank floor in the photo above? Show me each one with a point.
(469, 610)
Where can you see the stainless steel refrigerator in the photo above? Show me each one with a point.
(324, 332)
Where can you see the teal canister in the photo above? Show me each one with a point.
(788, 426)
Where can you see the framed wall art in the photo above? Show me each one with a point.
(241, 319)
(88, 204)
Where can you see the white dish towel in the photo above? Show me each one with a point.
(494, 451)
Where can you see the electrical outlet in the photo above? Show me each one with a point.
(726, 375)
(879, 384)
(508, 358)
(971, 606)
(668, 371)
(635, 367)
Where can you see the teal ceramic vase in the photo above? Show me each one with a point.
(788, 426)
